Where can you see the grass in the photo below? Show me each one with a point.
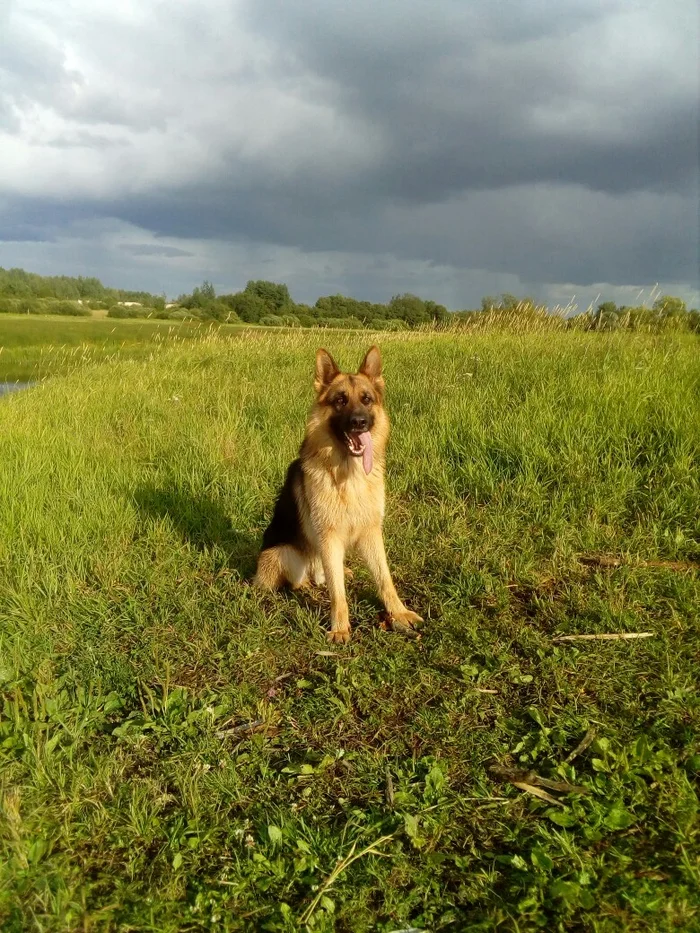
(178, 752)
(34, 347)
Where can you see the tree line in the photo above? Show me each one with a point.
(270, 304)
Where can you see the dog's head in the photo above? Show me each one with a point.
(352, 404)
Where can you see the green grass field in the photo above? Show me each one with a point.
(180, 753)
(34, 347)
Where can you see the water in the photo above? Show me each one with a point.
(7, 387)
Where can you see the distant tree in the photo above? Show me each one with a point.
(339, 306)
(465, 319)
(246, 306)
(207, 291)
(67, 289)
(607, 320)
(637, 318)
(438, 313)
(509, 305)
(218, 310)
(667, 306)
(376, 312)
(408, 308)
(510, 302)
(90, 287)
(276, 296)
(195, 300)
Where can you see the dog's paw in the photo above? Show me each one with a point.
(349, 575)
(404, 622)
(339, 636)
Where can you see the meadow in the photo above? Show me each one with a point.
(32, 348)
(181, 753)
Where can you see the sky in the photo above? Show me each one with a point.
(447, 148)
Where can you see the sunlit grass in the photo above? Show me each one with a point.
(180, 753)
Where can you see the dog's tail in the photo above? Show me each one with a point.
(280, 565)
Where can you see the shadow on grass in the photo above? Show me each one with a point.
(203, 523)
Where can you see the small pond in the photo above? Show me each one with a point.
(6, 387)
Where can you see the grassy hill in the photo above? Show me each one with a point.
(178, 752)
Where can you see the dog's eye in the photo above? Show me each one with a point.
(340, 400)
(366, 399)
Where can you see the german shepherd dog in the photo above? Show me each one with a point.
(333, 497)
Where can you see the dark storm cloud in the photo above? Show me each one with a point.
(502, 126)
(485, 95)
(552, 142)
(541, 233)
(37, 220)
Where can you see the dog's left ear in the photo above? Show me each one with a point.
(326, 370)
(372, 367)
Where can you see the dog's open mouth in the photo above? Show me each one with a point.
(360, 445)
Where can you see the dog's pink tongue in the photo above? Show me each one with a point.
(366, 439)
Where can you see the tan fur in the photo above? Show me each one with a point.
(340, 506)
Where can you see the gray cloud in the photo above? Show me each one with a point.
(497, 95)
(146, 249)
(521, 143)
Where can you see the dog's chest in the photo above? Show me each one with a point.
(349, 500)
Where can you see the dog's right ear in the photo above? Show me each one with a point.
(326, 370)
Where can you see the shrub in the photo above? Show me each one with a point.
(216, 310)
(136, 311)
(68, 308)
(332, 322)
(120, 311)
(42, 306)
(271, 320)
(392, 323)
(30, 306)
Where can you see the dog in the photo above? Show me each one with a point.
(332, 500)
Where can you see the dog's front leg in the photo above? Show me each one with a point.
(332, 557)
(371, 548)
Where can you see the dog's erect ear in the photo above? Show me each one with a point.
(372, 367)
(326, 370)
(372, 363)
